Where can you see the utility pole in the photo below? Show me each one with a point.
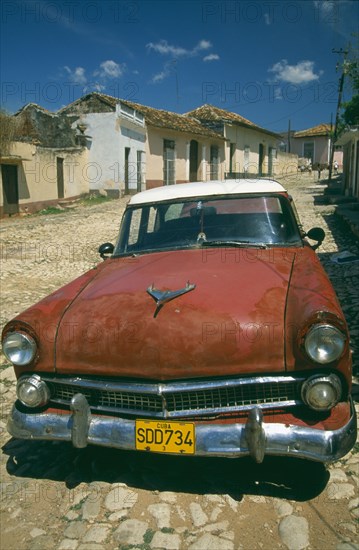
(174, 68)
(289, 136)
(335, 133)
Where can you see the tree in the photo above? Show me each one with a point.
(7, 132)
(350, 114)
(351, 111)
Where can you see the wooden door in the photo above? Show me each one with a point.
(10, 188)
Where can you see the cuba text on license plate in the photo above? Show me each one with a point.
(165, 437)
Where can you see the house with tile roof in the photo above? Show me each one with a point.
(349, 140)
(249, 149)
(315, 143)
(148, 147)
(115, 140)
(43, 162)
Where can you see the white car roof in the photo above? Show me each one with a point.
(204, 189)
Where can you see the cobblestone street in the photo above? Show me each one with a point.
(56, 497)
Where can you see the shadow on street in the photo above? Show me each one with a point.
(278, 477)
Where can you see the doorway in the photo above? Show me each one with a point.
(10, 188)
(60, 177)
(260, 159)
(127, 169)
(193, 160)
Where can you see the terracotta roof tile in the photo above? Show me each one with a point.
(319, 130)
(174, 121)
(211, 113)
(154, 117)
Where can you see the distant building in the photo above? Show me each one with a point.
(315, 143)
(116, 143)
(349, 140)
(249, 149)
(137, 147)
(43, 162)
(180, 149)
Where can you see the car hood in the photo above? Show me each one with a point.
(230, 322)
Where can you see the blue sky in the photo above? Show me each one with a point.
(269, 61)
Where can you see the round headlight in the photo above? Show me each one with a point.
(322, 393)
(32, 391)
(19, 348)
(324, 343)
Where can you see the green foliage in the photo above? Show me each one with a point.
(351, 111)
(7, 132)
(350, 115)
(51, 210)
(94, 199)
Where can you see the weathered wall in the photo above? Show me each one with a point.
(285, 164)
(109, 136)
(246, 137)
(103, 150)
(154, 155)
(321, 144)
(37, 175)
(351, 166)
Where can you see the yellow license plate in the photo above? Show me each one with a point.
(165, 437)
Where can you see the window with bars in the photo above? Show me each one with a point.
(246, 158)
(308, 150)
(169, 159)
(214, 162)
(139, 169)
(232, 157)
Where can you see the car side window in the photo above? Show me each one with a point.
(151, 219)
(134, 226)
(174, 211)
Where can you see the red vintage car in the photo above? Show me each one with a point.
(210, 329)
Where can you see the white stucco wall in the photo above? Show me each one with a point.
(100, 170)
(321, 147)
(37, 177)
(154, 148)
(246, 137)
(110, 135)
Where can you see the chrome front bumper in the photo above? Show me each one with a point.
(254, 438)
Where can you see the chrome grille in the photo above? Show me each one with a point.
(179, 399)
(240, 396)
(107, 399)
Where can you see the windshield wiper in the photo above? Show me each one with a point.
(238, 244)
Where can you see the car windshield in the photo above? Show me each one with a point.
(219, 221)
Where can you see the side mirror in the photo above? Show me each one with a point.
(106, 249)
(316, 234)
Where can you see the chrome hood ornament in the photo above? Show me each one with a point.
(161, 297)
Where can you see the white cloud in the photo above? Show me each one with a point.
(300, 73)
(94, 86)
(160, 76)
(324, 7)
(76, 76)
(110, 69)
(107, 70)
(166, 71)
(211, 57)
(164, 48)
(339, 15)
(203, 45)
